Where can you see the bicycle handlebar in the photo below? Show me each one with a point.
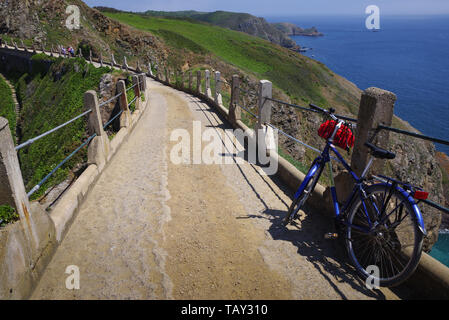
(329, 112)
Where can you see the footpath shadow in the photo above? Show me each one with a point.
(327, 256)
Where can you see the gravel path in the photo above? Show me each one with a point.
(151, 229)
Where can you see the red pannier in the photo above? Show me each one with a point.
(344, 137)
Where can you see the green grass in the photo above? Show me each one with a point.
(7, 108)
(49, 99)
(7, 215)
(298, 76)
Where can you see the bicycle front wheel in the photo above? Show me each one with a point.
(390, 252)
(307, 187)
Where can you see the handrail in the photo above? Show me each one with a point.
(110, 100)
(31, 141)
(248, 111)
(310, 109)
(38, 186)
(415, 135)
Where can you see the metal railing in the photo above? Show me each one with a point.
(379, 128)
(85, 143)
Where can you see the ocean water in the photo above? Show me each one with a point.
(409, 56)
(440, 250)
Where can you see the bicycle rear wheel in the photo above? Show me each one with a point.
(310, 182)
(394, 245)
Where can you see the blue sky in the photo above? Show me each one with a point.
(283, 7)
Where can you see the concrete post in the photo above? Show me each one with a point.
(125, 117)
(265, 106)
(15, 46)
(264, 133)
(376, 107)
(125, 64)
(138, 67)
(90, 56)
(208, 91)
(101, 60)
(12, 189)
(136, 90)
(23, 45)
(99, 147)
(217, 93)
(113, 63)
(198, 82)
(143, 82)
(80, 54)
(150, 71)
(190, 81)
(235, 112)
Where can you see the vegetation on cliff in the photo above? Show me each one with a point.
(7, 109)
(47, 100)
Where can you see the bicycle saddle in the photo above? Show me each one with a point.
(379, 152)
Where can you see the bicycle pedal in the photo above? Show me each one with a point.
(331, 236)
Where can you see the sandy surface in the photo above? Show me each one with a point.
(151, 229)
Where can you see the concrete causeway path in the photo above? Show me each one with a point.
(150, 229)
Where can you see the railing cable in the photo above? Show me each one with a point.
(38, 186)
(31, 141)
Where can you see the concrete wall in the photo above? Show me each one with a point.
(26, 246)
(431, 279)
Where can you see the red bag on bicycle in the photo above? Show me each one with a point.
(344, 137)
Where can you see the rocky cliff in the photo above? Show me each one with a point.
(293, 30)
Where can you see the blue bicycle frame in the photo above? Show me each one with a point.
(324, 159)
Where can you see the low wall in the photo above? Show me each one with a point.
(24, 254)
(431, 278)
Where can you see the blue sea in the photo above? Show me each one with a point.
(409, 56)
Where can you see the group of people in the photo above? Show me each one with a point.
(68, 50)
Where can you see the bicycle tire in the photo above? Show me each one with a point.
(380, 239)
(299, 202)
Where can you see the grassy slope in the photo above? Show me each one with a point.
(7, 106)
(301, 78)
(48, 100)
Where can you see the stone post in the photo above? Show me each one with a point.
(198, 82)
(143, 82)
(376, 107)
(208, 91)
(265, 106)
(217, 93)
(135, 79)
(23, 46)
(12, 189)
(125, 64)
(125, 117)
(235, 112)
(150, 71)
(190, 81)
(99, 148)
(90, 56)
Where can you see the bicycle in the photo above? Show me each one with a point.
(380, 221)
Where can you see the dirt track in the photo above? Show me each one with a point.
(151, 229)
